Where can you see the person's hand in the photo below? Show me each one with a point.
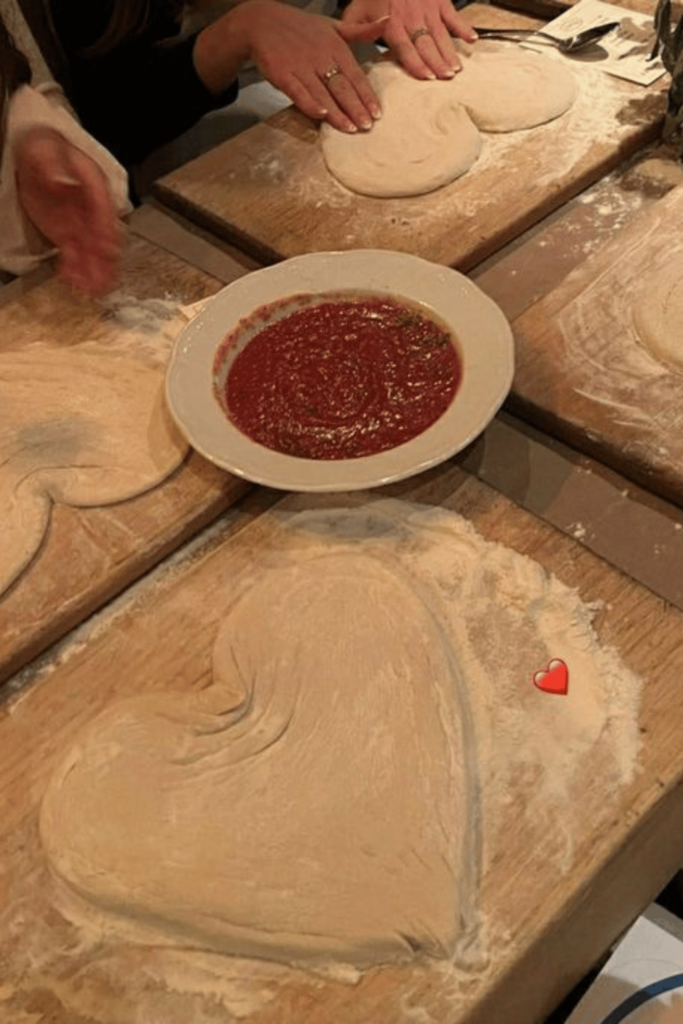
(304, 55)
(418, 32)
(65, 195)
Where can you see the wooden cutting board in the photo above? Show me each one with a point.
(580, 370)
(91, 554)
(268, 190)
(550, 914)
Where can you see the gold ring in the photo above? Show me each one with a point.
(422, 31)
(331, 72)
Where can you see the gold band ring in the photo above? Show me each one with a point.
(331, 72)
(422, 31)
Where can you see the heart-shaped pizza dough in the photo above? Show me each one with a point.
(77, 428)
(317, 802)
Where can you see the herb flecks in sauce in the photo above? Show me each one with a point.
(343, 378)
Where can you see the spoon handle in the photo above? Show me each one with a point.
(512, 33)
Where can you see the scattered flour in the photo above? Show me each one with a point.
(501, 617)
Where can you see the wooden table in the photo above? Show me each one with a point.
(268, 191)
(582, 371)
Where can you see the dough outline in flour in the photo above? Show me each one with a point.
(658, 316)
(83, 440)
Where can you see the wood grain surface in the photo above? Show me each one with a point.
(89, 555)
(550, 907)
(269, 192)
(538, 261)
(581, 371)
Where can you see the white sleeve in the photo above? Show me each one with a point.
(22, 247)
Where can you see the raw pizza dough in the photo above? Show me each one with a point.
(423, 140)
(658, 315)
(79, 429)
(315, 803)
(506, 88)
(371, 736)
(428, 134)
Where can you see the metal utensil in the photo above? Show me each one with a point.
(570, 45)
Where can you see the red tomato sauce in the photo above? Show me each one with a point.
(343, 378)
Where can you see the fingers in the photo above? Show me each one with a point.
(308, 58)
(98, 212)
(457, 25)
(340, 94)
(421, 37)
(90, 234)
(352, 93)
(88, 264)
(426, 53)
(79, 271)
(365, 31)
(90, 253)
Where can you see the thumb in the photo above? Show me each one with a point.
(65, 178)
(362, 31)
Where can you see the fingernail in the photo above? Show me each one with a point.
(431, 75)
(349, 127)
(449, 72)
(366, 124)
(474, 35)
(376, 113)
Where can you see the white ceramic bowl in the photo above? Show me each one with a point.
(484, 341)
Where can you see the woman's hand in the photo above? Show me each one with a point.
(304, 55)
(418, 32)
(65, 195)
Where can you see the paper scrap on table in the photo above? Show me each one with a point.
(627, 47)
(641, 983)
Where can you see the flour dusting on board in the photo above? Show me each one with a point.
(605, 357)
(143, 327)
(595, 118)
(507, 618)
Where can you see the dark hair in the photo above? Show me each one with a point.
(128, 20)
(15, 71)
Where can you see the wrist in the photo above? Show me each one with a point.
(223, 47)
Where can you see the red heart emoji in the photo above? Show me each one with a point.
(554, 678)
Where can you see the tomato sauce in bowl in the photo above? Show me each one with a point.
(337, 375)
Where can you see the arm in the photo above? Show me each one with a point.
(144, 91)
